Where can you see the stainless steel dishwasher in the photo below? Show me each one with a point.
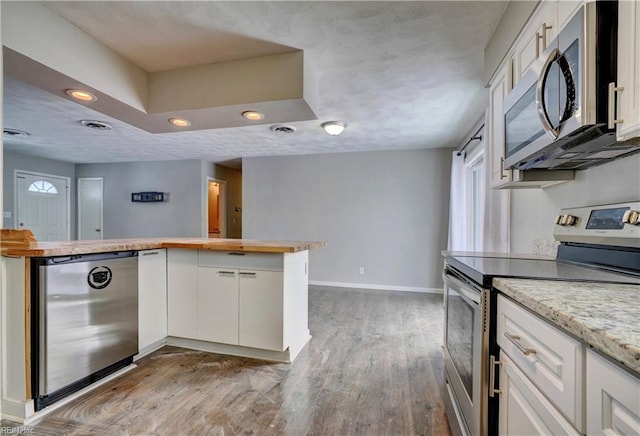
(84, 321)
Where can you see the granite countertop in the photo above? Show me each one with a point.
(605, 316)
(64, 248)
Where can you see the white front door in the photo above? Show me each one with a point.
(90, 208)
(42, 205)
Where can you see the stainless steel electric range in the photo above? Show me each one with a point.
(597, 244)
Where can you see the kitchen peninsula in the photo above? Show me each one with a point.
(230, 296)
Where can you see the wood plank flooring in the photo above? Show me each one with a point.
(373, 367)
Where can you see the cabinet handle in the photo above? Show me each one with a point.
(151, 253)
(502, 174)
(236, 253)
(248, 274)
(611, 118)
(227, 273)
(538, 38)
(514, 339)
(492, 376)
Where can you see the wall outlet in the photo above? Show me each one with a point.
(361, 270)
(6, 214)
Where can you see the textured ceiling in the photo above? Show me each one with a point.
(400, 74)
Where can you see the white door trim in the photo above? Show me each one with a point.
(223, 208)
(79, 211)
(33, 173)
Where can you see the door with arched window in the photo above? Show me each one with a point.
(42, 205)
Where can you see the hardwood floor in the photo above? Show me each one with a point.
(373, 367)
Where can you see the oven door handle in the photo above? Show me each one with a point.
(467, 290)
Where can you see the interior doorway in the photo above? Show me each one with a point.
(216, 210)
(90, 208)
(42, 205)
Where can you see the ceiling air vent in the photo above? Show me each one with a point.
(14, 133)
(282, 129)
(98, 125)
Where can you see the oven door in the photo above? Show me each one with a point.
(465, 352)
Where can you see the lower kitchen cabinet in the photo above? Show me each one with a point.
(247, 304)
(261, 310)
(218, 305)
(523, 408)
(152, 297)
(182, 293)
(613, 398)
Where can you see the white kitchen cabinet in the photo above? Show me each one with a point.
(628, 95)
(550, 359)
(260, 311)
(182, 283)
(217, 313)
(524, 410)
(498, 90)
(534, 38)
(565, 11)
(152, 298)
(240, 303)
(613, 398)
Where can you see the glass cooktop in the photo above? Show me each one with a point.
(483, 269)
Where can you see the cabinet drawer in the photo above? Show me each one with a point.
(235, 259)
(550, 358)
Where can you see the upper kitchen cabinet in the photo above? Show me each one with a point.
(534, 38)
(543, 26)
(627, 116)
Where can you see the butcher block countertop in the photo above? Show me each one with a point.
(605, 316)
(32, 248)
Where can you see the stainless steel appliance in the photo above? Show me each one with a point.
(84, 321)
(597, 244)
(560, 114)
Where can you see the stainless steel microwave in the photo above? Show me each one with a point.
(560, 114)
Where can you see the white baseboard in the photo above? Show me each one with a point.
(233, 350)
(17, 411)
(150, 349)
(376, 287)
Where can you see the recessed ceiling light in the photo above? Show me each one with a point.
(97, 125)
(81, 95)
(14, 133)
(334, 128)
(253, 115)
(180, 122)
(281, 128)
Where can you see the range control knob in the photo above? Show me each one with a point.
(559, 220)
(631, 217)
(569, 220)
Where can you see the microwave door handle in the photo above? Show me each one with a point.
(542, 110)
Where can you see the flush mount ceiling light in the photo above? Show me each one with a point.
(96, 125)
(253, 115)
(81, 95)
(334, 128)
(180, 122)
(14, 133)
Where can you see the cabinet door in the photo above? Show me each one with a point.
(497, 92)
(534, 38)
(613, 398)
(217, 311)
(152, 297)
(628, 70)
(566, 10)
(261, 310)
(182, 291)
(523, 410)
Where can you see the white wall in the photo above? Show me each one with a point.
(179, 216)
(533, 210)
(18, 161)
(385, 211)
